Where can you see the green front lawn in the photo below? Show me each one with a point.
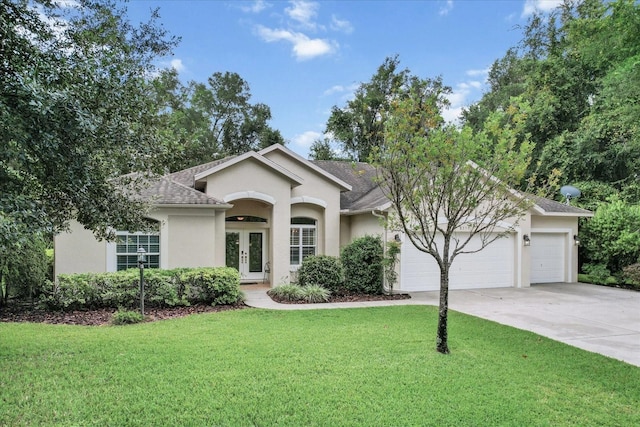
(361, 367)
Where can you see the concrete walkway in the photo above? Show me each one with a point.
(594, 318)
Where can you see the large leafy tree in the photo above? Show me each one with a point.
(359, 126)
(212, 120)
(578, 69)
(75, 112)
(450, 188)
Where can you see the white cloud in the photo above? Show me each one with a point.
(177, 65)
(460, 98)
(446, 8)
(341, 25)
(533, 6)
(306, 139)
(473, 73)
(303, 46)
(303, 13)
(256, 7)
(334, 89)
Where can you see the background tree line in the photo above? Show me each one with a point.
(575, 80)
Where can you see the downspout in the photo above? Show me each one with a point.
(385, 286)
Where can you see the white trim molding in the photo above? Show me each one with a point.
(256, 195)
(309, 199)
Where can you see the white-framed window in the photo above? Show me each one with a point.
(127, 245)
(303, 239)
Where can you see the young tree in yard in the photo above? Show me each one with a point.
(449, 186)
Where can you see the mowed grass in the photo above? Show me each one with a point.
(360, 367)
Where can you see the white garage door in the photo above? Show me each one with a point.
(547, 257)
(492, 267)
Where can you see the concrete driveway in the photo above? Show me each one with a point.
(595, 318)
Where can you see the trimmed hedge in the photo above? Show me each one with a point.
(362, 260)
(322, 270)
(163, 288)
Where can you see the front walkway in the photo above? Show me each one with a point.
(594, 318)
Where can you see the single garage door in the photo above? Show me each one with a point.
(547, 257)
(492, 267)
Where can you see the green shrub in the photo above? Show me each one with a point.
(163, 288)
(362, 260)
(323, 270)
(287, 292)
(126, 317)
(296, 293)
(215, 286)
(612, 236)
(598, 273)
(631, 274)
(315, 294)
(24, 272)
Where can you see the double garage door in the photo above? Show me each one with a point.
(492, 267)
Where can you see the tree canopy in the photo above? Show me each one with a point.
(359, 126)
(210, 121)
(75, 112)
(579, 69)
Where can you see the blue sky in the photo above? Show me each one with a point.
(303, 57)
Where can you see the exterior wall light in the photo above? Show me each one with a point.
(526, 241)
(576, 240)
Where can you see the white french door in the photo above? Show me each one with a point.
(246, 251)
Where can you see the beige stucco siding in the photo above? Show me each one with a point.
(78, 251)
(253, 180)
(320, 190)
(365, 225)
(191, 241)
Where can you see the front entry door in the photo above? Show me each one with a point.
(246, 250)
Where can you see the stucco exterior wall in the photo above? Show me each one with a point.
(78, 251)
(252, 177)
(316, 188)
(365, 224)
(191, 241)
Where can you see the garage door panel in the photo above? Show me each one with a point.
(547, 257)
(491, 267)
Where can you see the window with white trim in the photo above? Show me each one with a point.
(303, 239)
(127, 245)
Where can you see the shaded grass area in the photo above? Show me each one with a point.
(374, 366)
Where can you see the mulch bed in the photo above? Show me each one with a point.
(20, 312)
(351, 298)
(24, 312)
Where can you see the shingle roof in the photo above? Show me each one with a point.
(365, 193)
(166, 191)
(187, 176)
(551, 206)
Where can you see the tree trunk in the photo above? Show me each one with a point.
(442, 345)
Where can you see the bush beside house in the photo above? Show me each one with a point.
(163, 288)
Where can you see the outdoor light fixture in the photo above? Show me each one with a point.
(142, 258)
(576, 241)
(526, 241)
(397, 238)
